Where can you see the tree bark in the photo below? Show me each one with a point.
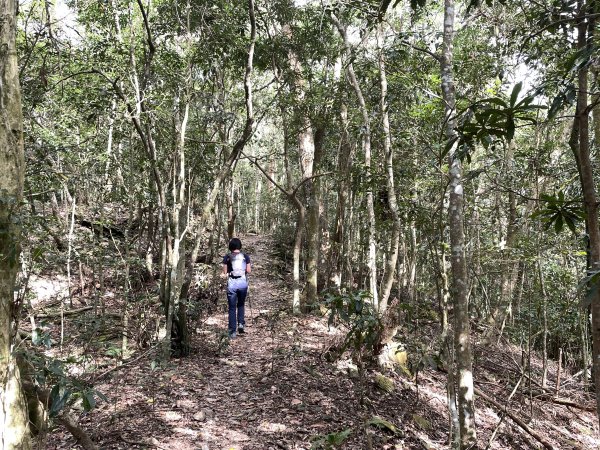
(366, 146)
(344, 166)
(390, 263)
(589, 192)
(462, 332)
(313, 225)
(508, 274)
(14, 425)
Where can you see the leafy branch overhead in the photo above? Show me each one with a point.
(560, 212)
(491, 121)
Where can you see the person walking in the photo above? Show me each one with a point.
(236, 267)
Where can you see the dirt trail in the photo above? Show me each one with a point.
(271, 389)
(235, 382)
(266, 389)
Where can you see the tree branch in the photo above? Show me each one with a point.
(515, 419)
(147, 27)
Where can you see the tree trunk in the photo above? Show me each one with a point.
(544, 321)
(366, 146)
(344, 165)
(179, 227)
(313, 225)
(14, 425)
(508, 274)
(589, 193)
(206, 216)
(392, 257)
(306, 155)
(462, 332)
(297, 303)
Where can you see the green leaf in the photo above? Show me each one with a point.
(101, 396)
(510, 128)
(88, 400)
(58, 399)
(423, 423)
(496, 101)
(571, 224)
(515, 94)
(382, 423)
(561, 100)
(331, 440)
(558, 224)
(339, 438)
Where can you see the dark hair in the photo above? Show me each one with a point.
(235, 244)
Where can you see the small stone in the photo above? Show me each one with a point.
(200, 416)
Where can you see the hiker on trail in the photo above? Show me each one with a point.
(235, 267)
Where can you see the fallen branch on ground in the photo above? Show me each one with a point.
(562, 401)
(515, 419)
(78, 433)
(64, 313)
(513, 392)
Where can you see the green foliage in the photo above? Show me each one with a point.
(64, 389)
(560, 212)
(565, 97)
(113, 351)
(330, 441)
(492, 120)
(590, 285)
(383, 424)
(354, 311)
(477, 3)
(41, 336)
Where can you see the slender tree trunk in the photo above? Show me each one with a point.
(462, 330)
(344, 165)
(257, 205)
(206, 215)
(392, 257)
(306, 154)
(297, 305)
(14, 425)
(589, 193)
(544, 321)
(366, 146)
(585, 353)
(292, 195)
(508, 272)
(306, 149)
(179, 227)
(313, 225)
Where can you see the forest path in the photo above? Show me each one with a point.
(272, 389)
(262, 390)
(266, 389)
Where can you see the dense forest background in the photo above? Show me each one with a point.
(420, 176)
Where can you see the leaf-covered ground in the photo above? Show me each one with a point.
(273, 389)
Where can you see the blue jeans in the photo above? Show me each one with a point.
(236, 298)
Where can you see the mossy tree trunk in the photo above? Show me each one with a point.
(14, 425)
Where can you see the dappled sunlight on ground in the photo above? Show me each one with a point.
(272, 388)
